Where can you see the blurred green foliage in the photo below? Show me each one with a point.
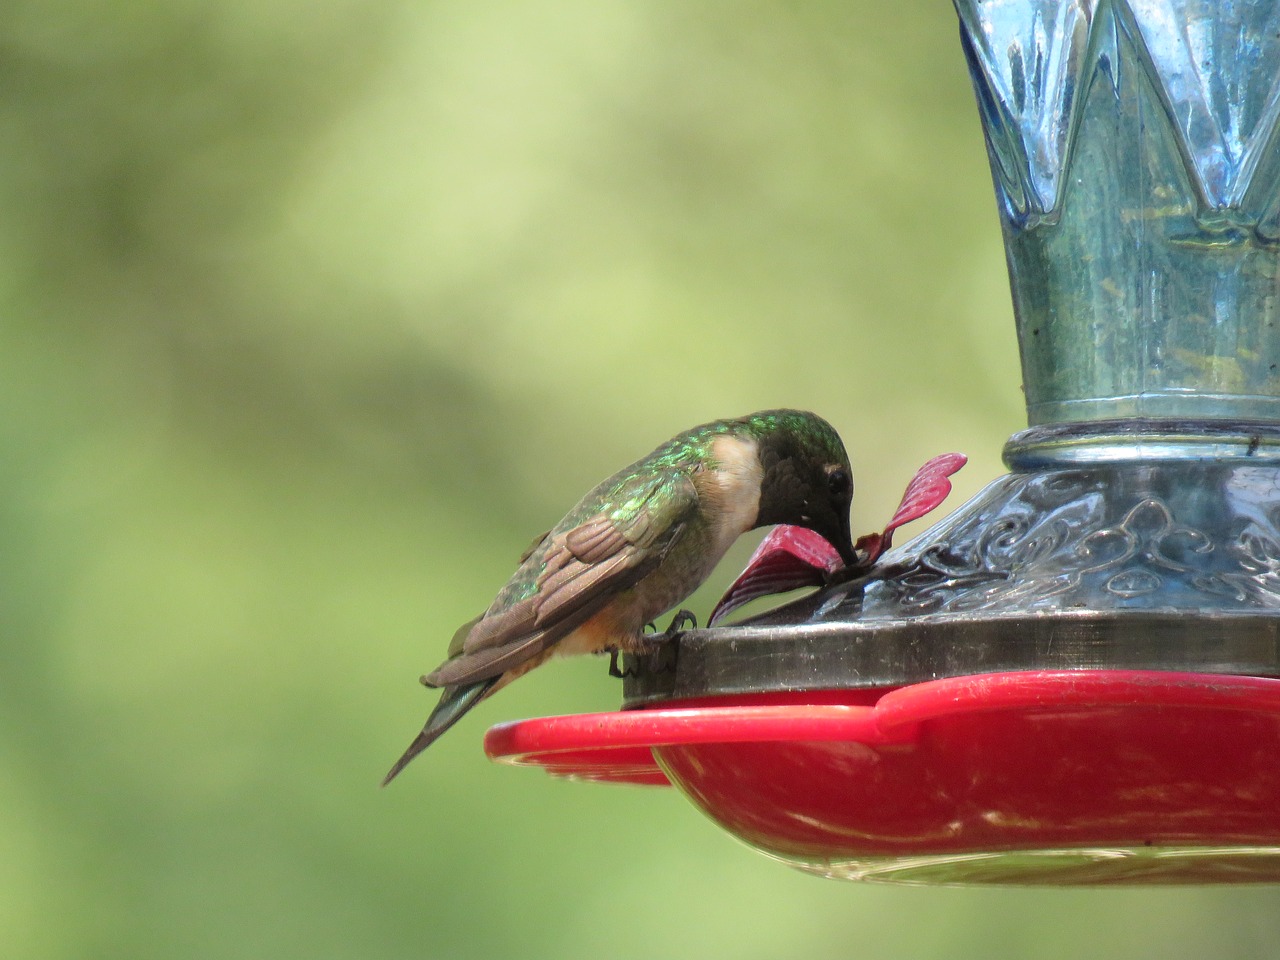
(312, 315)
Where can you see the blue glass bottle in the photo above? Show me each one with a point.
(1136, 165)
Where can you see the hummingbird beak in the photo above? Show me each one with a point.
(844, 543)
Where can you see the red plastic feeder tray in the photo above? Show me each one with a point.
(1061, 777)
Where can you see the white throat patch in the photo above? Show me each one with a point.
(737, 476)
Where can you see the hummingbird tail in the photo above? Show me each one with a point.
(454, 702)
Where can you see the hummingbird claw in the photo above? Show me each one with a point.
(614, 669)
(662, 659)
(683, 620)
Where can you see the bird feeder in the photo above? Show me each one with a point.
(1072, 678)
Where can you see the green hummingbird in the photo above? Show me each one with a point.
(639, 543)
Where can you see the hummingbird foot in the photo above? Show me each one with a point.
(654, 652)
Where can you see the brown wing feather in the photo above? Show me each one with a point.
(492, 661)
(595, 540)
(523, 616)
(573, 585)
(493, 630)
(563, 587)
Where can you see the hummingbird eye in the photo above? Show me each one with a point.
(839, 482)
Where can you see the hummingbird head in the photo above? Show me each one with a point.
(807, 480)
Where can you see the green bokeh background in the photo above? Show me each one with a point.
(313, 314)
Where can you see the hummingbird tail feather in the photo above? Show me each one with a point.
(454, 702)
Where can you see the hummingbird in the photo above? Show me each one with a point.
(638, 544)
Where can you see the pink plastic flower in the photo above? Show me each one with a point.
(790, 558)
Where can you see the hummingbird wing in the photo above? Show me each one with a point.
(460, 635)
(579, 568)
